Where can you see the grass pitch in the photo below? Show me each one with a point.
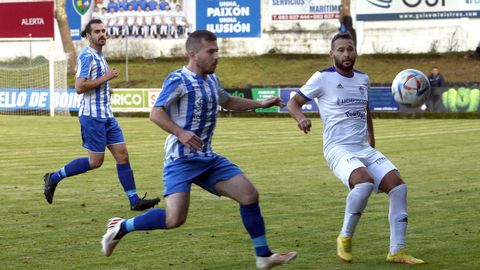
(302, 202)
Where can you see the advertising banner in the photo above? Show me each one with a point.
(123, 100)
(12, 99)
(262, 94)
(78, 10)
(229, 19)
(300, 10)
(243, 93)
(389, 10)
(454, 99)
(133, 100)
(27, 19)
(287, 93)
(381, 99)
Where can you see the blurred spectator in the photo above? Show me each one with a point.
(142, 3)
(180, 22)
(124, 4)
(138, 22)
(130, 18)
(152, 4)
(113, 4)
(134, 4)
(346, 23)
(157, 22)
(100, 13)
(148, 23)
(122, 22)
(113, 30)
(436, 78)
(163, 4)
(166, 27)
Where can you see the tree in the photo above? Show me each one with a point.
(61, 17)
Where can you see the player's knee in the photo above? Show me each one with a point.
(175, 221)
(95, 163)
(249, 197)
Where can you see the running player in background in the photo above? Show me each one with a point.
(99, 128)
(342, 97)
(187, 109)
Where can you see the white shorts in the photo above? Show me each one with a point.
(343, 160)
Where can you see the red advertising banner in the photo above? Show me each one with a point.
(27, 19)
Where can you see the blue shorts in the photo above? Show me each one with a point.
(179, 174)
(97, 133)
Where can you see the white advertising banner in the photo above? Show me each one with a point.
(394, 10)
(300, 10)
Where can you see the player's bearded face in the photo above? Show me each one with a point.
(207, 57)
(344, 54)
(98, 35)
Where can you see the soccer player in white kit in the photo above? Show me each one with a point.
(341, 94)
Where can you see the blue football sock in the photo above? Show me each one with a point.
(253, 222)
(125, 175)
(151, 220)
(74, 167)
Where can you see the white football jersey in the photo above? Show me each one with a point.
(342, 102)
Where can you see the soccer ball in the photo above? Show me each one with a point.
(411, 87)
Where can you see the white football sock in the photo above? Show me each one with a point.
(356, 202)
(398, 218)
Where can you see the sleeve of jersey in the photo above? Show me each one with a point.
(83, 66)
(312, 88)
(171, 91)
(223, 96)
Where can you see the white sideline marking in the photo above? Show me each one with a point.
(428, 133)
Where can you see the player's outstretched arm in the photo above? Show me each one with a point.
(83, 85)
(294, 107)
(245, 104)
(159, 116)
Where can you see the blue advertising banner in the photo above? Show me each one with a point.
(287, 93)
(229, 19)
(74, 20)
(381, 99)
(12, 99)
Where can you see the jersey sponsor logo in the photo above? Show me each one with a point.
(344, 101)
(340, 86)
(356, 114)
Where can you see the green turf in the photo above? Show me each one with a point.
(281, 69)
(302, 202)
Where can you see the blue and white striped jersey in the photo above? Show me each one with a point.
(95, 103)
(191, 102)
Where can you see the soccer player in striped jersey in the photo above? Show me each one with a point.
(348, 145)
(187, 109)
(99, 128)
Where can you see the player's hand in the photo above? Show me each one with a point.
(191, 140)
(272, 101)
(112, 73)
(304, 125)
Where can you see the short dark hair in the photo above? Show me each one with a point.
(345, 35)
(88, 28)
(194, 40)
